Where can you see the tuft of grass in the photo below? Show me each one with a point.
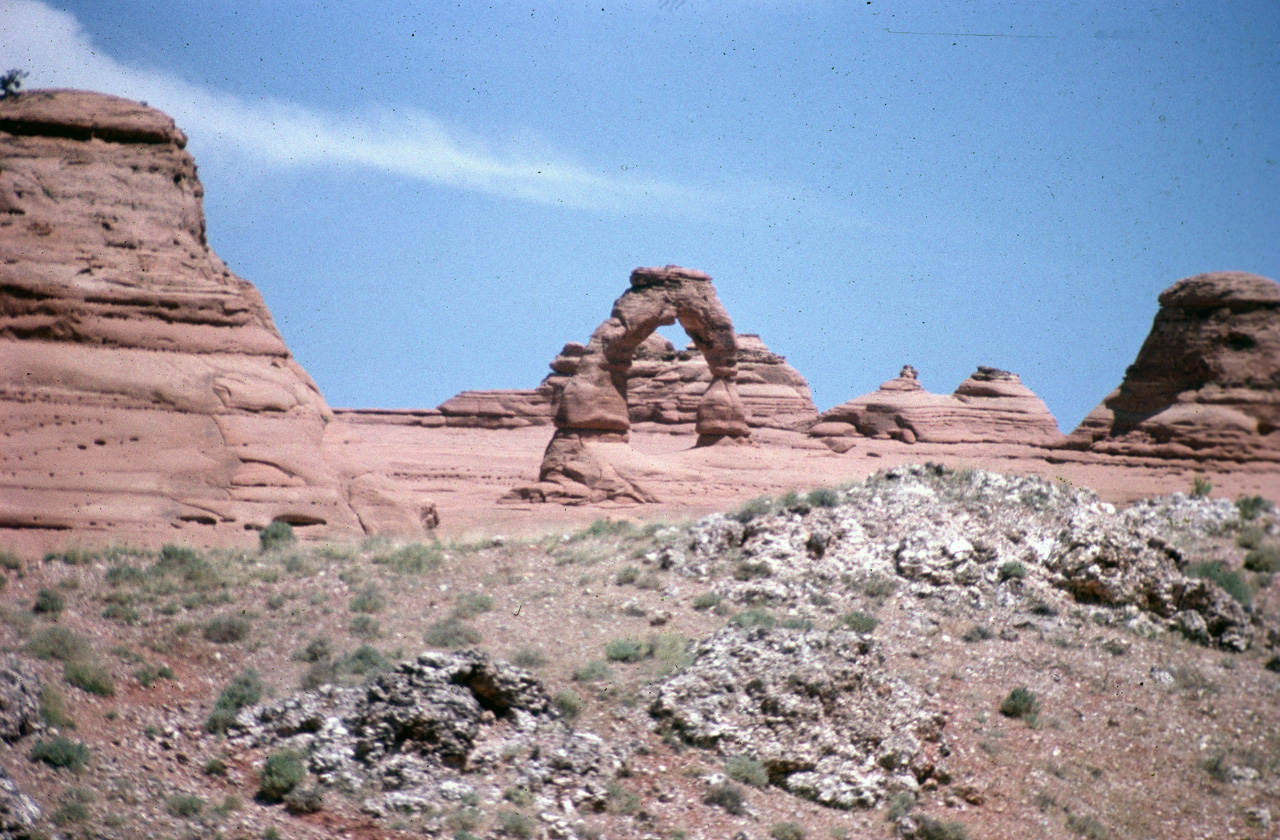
(752, 570)
(365, 627)
(317, 650)
(227, 629)
(48, 602)
(568, 703)
(364, 661)
(624, 650)
(1251, 507)
(927, 828)
(1232, 582)
(470, 604)
(1012, 570)
(279, 533)
(244, 690)
(53, 708)
(823, 497)
(304, 801)
(1021, 703)
(412, 559)
(528, 658)
(451, 633)
(90, 677)
(184, 805)
(281, 773)
(1201, 487)
(516, 824)
(11, 563)
(760, 506)
(726, 795)
(369, 600)
(787, 831)
(1264, 559)
(860, 622)
(628, 574)
(187, 564)
(61, 753)
(74, 556)
(58, 643)
(742, 768)
(753, 618)
(594, 671)
(707, 600)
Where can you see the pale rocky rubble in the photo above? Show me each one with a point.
(1206, 382)
(142, 384)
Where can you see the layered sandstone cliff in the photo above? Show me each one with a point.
(1206, 382)
(141, 382)
(991, 406)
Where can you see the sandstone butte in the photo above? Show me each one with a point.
(146, 395)
(1206, 382)
(144, 386)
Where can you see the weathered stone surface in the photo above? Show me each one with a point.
(1206, 382)
(432, 731)
(815, 707)
(991, 406)
(19, 698)
(19, 814)
(142, 384)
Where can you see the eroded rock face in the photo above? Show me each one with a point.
(427, 734)
(815, 707)
(991, 406)
(1206, 382)
(141, 382)
(19, 698)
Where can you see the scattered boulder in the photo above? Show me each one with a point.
(19, 698)
(991, 406)
(431, 730)
(1206, 382)
(19, 813)
(816, 708)
(144, 385)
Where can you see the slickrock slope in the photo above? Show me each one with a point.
(991, 406)
(664, 385)
(142, 384)
(1206, 383)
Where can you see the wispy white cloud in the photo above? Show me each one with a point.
(58, 52)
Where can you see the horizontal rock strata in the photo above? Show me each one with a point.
(1206, 382)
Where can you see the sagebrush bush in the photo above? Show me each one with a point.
(628, 574)
(281, 773)
(48, 602)
(227, 629)
(707, 600)
(787, 831)
(594, 671)
(1201, 487)
(742, 768)
(369, 600)
(1012, 570)
(528, 658)
(470, 604)
(412, 559)
(860, 622)
(62, 753)
(568, 703)
(451, 633)
(58, 643)
(1264, 559)
(726, 795)
(90, 677)
(752, 570)
(823, 497)
(278, 533)
(760, 506)
(304, 800)
(516, 824)
(1251, 507)
(1231, 581)
(624, 650)
(184, 805)
(1021, 703)
(244, 690)
(928, 828)
(753, 618)
(365, 627)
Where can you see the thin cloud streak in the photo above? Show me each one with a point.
(57, 51)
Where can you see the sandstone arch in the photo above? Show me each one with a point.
(592, 409)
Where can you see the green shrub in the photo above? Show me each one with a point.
(125, 575)
(1087, 827)
(62, 753)
(515, 824)
(123, 613)
(74, 556)
(1250, 507)
(215, 767)
(707, 600)
(364, 661)
(528, 658)
(318, 674)
(318, 649)
(471, 604)
(594, 671)
(860, 622)
(244, 690)
(451, 633)
(823, 497)
(304, 800)
(747, 770)
(1201, 487)
(751, 570)
(1012, 570)
(568, 703)
(629, 574)
(184, 805)
(10, 562)
(227, 629)
(624, 650)
(1265, 559)
(53, 708)
(602, 528)
(48, 602)
(787, 831)
(927, 828)
(282, 772)
(753, 618)
(58, 643)
(1273, 664)
(726, 795)
(278, 533)
(622, 800)
(412, 559)
(365, 627)
(1232, 582)
(89, 677)
(368, 601)
(760, 506)
(1251, 536)
(1021, 703)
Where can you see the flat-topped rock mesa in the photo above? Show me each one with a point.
(141, 382)
(1206, 382)
(664, 385)
(991, 406)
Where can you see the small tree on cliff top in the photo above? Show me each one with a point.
(11, 81)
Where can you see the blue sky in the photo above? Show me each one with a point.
(438, 197)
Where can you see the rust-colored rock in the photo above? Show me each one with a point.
(1206, 382)
(991, 406)
(142, 384)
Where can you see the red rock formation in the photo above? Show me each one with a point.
(1206, 382)
(142, 384)
(991, 406)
